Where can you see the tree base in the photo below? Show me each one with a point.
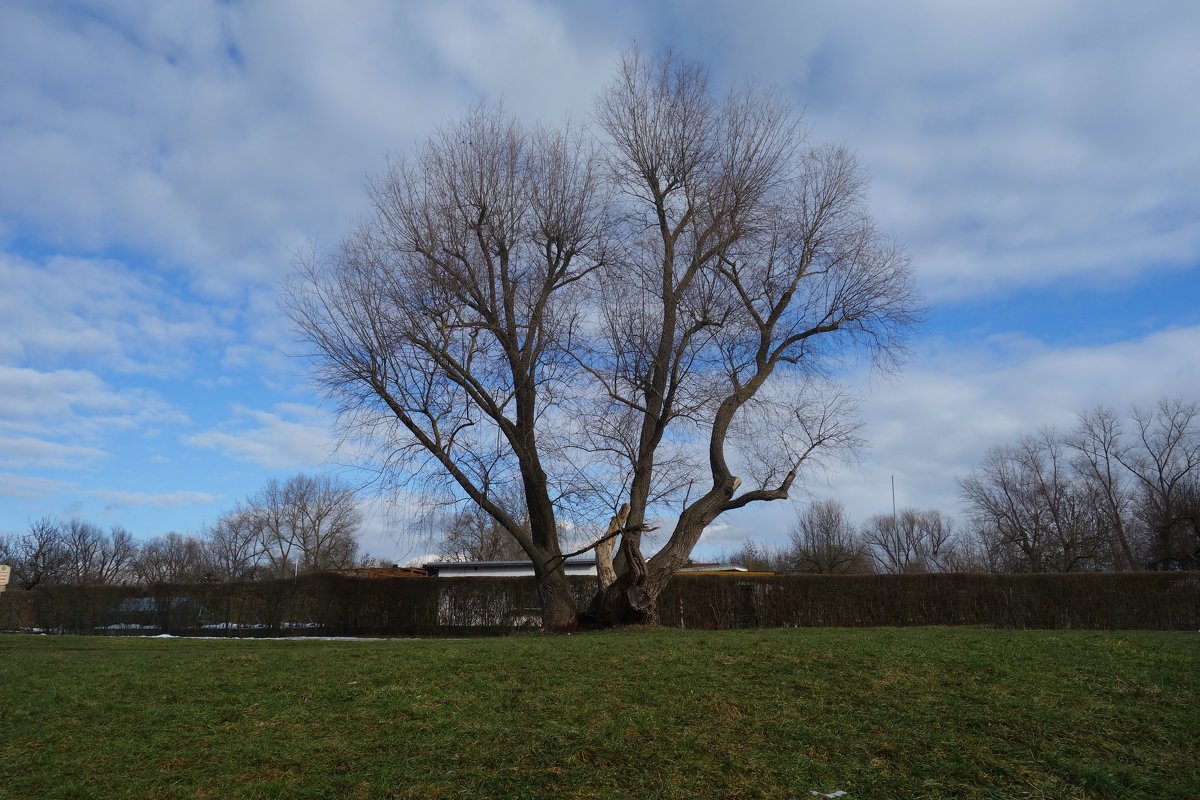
(621, 604)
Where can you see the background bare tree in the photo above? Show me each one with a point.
(95, 557)
(1034, 512)
(640, 322)
(117, 557)
(1099, 444)
(38, 557)
(305, 523)
(471, 534)
(912, 541)
(824, 540)
(1116, 493)
(236, 545)
(173, 558)
(73, 552)
(752, 555)
(1163, 456)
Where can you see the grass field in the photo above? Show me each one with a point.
(876, 713)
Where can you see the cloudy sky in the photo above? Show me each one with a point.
(162, 163)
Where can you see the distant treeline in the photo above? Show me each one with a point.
(1114, 493)
(303, 524)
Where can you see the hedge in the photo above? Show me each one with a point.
(339, 605)
(1145, 600)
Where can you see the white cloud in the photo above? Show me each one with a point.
(1012, 144)
(219, 138)
(291, 436)
(162, 499)
(65, 311)
(28, 452)
(28, 486)
(935, 422)
(540, 60)
(723, 535)
(68, 419)
(76, 404)
(388, 532)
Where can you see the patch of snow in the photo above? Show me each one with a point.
(295, 638)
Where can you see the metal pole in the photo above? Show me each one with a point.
(893, 500)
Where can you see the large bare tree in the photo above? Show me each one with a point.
(642, 315)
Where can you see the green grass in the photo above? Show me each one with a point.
(878, 713)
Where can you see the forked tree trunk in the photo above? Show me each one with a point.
(625, 601)
(632, 599)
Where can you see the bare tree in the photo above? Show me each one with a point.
(1187, 516)
(38, 557)
(440, 325)
(1101, 448)
(84, 543)
(304, 524)
(74, 552)
(823, 540)
(174, 558)
(1164, 459)
(750, 261)
(1115, 493)
(1034, 512)
(639, 322)
(117, 556)
(752, 555)
(236, 545)
(471, 534)
(911, 541)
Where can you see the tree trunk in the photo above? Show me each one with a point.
(625, 601)
(559, 614)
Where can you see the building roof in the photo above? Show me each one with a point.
(582, 566)
(382, 572)
(710, 567)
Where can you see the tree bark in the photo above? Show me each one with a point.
(605, 574)
(559, 614)
(624, 602)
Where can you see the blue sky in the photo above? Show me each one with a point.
(161, 164)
